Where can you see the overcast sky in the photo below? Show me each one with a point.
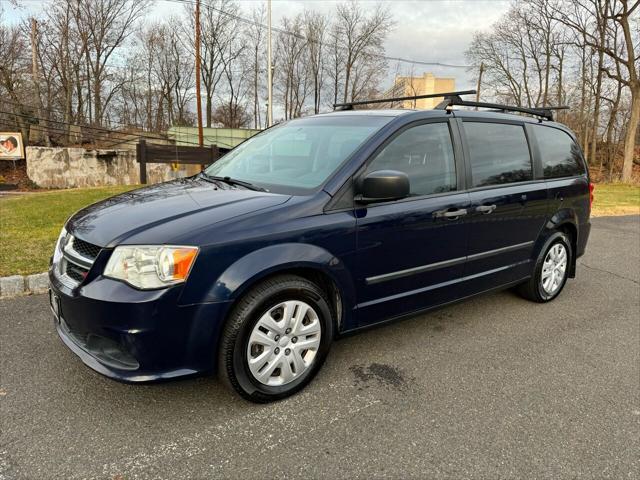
(425, 30)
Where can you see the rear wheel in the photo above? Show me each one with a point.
(551, 270)
(276, 339)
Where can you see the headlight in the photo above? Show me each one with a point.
(57, 251)
(148, 267)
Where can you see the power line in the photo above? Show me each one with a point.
(58, 131)
(302, 37)
(104, 131)
(60, 110)
(147, 134)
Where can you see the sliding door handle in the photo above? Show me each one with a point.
(450, 214)
(486, 209)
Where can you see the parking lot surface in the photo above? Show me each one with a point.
(496, 387)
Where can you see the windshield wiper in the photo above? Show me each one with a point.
(233, 181)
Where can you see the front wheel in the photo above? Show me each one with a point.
(276, 339)
(551, 270)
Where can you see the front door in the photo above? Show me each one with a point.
(411, 252)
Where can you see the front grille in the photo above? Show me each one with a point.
(75, 272)
(86, 249)
(74, 261)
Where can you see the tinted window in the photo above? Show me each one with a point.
(560, 154)
(499, 153)
(425, 154)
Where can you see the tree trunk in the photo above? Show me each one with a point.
(209, 109)
(630, 137)
(256, 101)
(602, 27)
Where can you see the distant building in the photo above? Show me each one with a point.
(422, 85)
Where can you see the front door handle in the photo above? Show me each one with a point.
(450, 214)
(486, 209)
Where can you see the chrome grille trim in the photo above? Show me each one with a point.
(76, 257)
(71, 256)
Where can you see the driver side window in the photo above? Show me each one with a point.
(425, 154)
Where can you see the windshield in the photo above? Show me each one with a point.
(297, 156)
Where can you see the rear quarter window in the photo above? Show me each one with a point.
(560, 155)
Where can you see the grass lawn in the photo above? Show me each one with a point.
(31, 223)
(616, 199)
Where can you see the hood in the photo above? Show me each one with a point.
(185, 204)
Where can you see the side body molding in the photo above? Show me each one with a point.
(259, 264)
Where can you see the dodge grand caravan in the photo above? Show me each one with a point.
(313, 228)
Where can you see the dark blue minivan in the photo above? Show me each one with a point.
(313, 228)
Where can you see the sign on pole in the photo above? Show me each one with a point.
(11, 146)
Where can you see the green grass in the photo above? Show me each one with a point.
(31, 223)
(616, 199)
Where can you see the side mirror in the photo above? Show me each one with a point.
(382, 186)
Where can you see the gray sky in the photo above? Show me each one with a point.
(425, 30)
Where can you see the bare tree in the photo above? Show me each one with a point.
(334, 66)
(14, 81)
(104, 26)
(256, 41)
(619, 14)
(236, 75)
(292, 77)
(315, 26)
(219, 28)
(362, 36)
(580, 52)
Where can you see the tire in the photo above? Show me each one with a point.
(535, 289)
(262, 360)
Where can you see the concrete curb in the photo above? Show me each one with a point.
(17, 285)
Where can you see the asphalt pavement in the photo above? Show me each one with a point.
(496, 387)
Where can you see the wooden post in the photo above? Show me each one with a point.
(198, 102)
(141, 153)
(215, 153)
(35, 76)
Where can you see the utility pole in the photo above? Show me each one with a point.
(269, 68)
(479, 82)
(198, 102)
(35, 75)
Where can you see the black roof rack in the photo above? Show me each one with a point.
(544, 112)
(350, 105)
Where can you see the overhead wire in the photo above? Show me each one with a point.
(59, 131)
(146, 135)
(302, 37)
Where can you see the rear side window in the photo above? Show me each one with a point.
(560, 154)
(425, 154)
(499, 153)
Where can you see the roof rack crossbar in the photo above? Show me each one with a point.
(544, 112)
(350, 105)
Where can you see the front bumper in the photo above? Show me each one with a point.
(133, 335)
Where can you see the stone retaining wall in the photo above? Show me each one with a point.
(77, 167)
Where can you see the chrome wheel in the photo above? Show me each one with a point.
(284, 343)
(554, 269)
